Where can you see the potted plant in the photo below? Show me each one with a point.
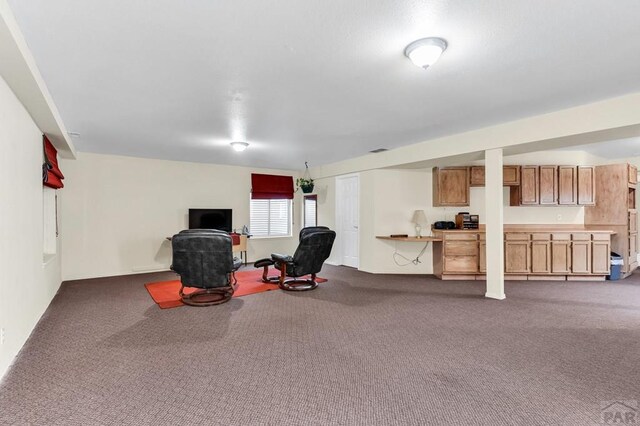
(306, 184)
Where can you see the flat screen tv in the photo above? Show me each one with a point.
(210, 219)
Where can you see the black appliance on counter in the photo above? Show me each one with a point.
(443, 224)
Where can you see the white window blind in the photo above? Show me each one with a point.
(310, 211)
(270, 218)
(49, 221)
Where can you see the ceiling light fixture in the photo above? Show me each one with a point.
(239, 146)
(426, 51)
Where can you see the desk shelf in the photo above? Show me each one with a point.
(410, 239)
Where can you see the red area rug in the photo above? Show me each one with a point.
(165, 293)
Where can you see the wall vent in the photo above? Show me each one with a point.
(376, 151)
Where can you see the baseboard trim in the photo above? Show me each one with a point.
(496, 296)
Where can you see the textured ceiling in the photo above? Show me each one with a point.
(317, 81)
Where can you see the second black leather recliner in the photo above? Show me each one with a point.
(313, 249)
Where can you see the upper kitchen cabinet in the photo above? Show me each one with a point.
(510, 175)
(548, 185)
(567, 185)
(529, 185)
(450, 186)
(586, 185)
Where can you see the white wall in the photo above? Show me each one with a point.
(119, 210)
(392, 196)
(26, 285)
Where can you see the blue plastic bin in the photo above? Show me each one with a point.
(616, 267)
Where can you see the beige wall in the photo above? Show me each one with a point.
(120, 209)
(27, 284)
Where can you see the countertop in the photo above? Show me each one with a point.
(534, 228)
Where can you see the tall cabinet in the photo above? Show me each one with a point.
(616, 210)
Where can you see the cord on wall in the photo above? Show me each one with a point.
(415, 261)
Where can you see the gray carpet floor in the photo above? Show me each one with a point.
(361, 349)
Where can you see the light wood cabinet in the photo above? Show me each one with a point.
(476, 175)
(632, 173)
(600, 252)
(527, 255)
(529, 185)
(451, 186)
(615, 209)
(456, 255)
(567, 185)
(517, 254)
(555, 185)
(461, 264)
(561, 256)
(548, 185)
(633, 249)
(540, 257)
(586, 185)
(510, 175)
(581, 257)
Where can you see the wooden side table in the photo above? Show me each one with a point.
(242, 248)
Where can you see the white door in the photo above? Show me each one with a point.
(347, 209)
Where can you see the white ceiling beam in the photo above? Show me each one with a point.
(19, 70)
(611, 119)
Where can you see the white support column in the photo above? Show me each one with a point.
(494, 223)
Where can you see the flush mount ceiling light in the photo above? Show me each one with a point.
(239, 146)
(426, 51)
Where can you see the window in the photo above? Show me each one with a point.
(310, 211)
(270, 218)
(49, 222)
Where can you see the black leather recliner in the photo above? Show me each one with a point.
(313, 249)
(203, 258)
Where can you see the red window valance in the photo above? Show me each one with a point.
(265, 187)
(51, 174)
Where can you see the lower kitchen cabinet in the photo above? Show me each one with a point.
(482, 256)
(561, 257)
(516, 257)
(600, 251)
(581, 257)
(540, 257)
(527, 255)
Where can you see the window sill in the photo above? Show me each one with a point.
(268, 237)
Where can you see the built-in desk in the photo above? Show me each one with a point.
(407, 239)
(410, 239)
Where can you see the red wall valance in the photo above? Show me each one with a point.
(51, 174)
(265, 187)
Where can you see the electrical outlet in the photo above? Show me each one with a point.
(1, 336)
(559, 217)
